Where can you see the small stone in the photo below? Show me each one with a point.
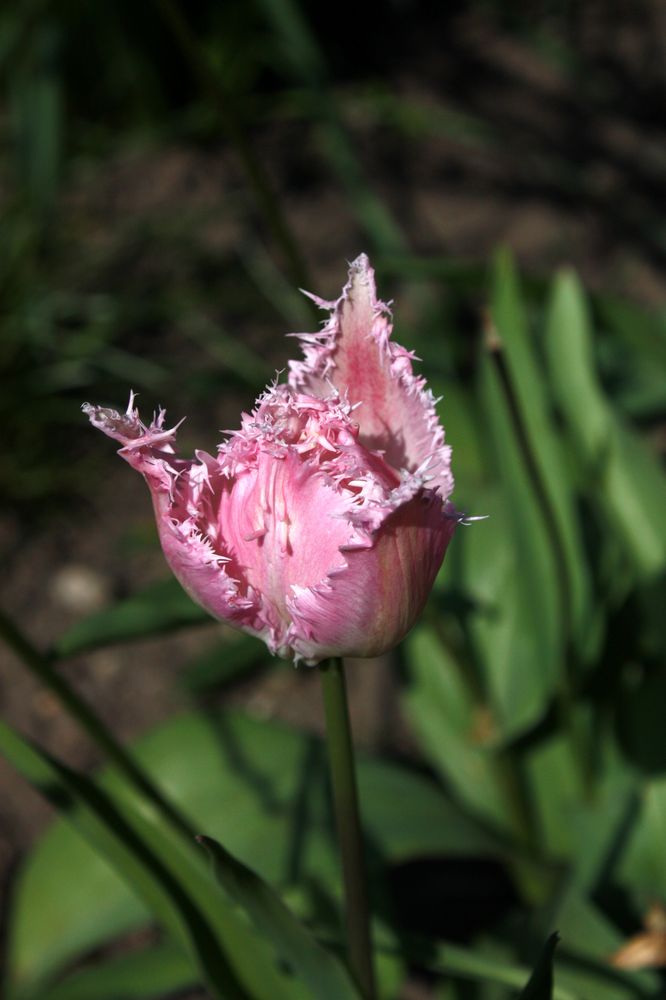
(79, 589)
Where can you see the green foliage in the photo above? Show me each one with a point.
(249, 783)
(321, 971)
(533, 687)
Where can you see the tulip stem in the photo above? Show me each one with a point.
(345, 803)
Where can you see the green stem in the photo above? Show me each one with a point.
(345, 801)
(41, 667)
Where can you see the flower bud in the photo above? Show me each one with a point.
(321, 523)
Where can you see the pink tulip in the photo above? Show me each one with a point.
(321, 524)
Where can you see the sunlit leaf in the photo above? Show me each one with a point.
(621, 478)
(450, 725)
(512, 623)
(543, 452)
(643, 865)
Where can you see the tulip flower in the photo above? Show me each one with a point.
(322, 522)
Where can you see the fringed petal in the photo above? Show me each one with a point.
(354, 352)
(185, 496)
(371, 603)
(322, 522)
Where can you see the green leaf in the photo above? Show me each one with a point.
(543, 452)
(540, 984)
(643, 864)
(448, 721)
(524, 531)
(319, 969)
(36, 104)
(68, 899)
(512, 619)
(643, 330)
(432, 825)
(622, 480)
(165, 869)
(580, 976)
(254, 784)
(459, 412)
(588, 938)
(584, 829)
(98, 819)
(143, 975)
(161, 607)
(223, 663)
(474, 965)
(251, 960)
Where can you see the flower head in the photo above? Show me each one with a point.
(321, 523)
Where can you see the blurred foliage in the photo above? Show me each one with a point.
(535, 684)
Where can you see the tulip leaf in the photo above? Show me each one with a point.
(511, 618)
(544, 452)
(448, 721)
(621, 478)
(585, 831)
(643, 864)
(166, 869)
(642, 329)
(250, 783)
(574, 980)
(97, 818)
(222, 663)
(588, 938)
(540, 984)
(161, 607)
(149, 974)
(478, 966)
(325, 976)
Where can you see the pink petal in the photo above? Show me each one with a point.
(183, 500)
(354, 353)
(372, 603)
(323, 521)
